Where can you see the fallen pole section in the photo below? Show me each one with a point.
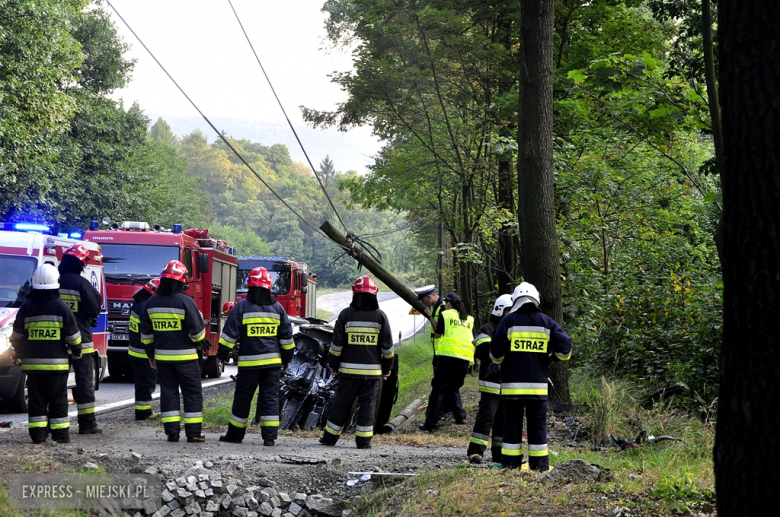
(410, 411)
(354, 250)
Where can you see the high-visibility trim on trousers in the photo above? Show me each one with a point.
(38, 421)
(170, 416)
(537, 449)
(269, 420)
(193, 418)
(512, 449)
(364, 431)
(238, 422)
(333, 428)
(85, 409)
(59, 423)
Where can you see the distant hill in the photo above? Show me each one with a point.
(349, 151)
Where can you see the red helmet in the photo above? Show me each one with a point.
(227, 307)
(365, 284)
(175, 270)
(80, 252)
(152, 285)
(260, 277)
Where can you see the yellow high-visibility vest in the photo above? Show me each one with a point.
(457, 338)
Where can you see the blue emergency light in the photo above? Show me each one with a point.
(176, 228)
(31, 227)
(75, 235)
(94, 225)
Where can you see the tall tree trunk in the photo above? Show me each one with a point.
(506, 198)
(539, 252)
(746, 447)
(712, 100)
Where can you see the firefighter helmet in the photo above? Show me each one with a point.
(46, 277)
(502, 302)
(175, 270)
(152, 285)
(260, 277)
(525, 293)
(365, 284)
(227, 307)
(80, 252)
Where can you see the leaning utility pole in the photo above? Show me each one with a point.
(354, 250)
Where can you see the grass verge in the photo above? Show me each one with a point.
(665, 478)
(32, 464)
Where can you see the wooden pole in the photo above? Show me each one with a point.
(355, 251)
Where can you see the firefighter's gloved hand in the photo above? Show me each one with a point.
(93, 322)
(493, 368)
(223, 354)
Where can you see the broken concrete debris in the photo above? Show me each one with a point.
(206, 496)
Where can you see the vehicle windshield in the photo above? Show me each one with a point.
(279, 274)
(134, 262)
(16, 280)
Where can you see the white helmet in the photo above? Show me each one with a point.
(502, 302)
(46, 277)
(524, 293)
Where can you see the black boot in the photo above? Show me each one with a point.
(196, 439)
(230, 439)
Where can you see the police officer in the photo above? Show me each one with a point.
(490, 413)
(144, 375)
(525, 344)
(434, 306)
(261, 328)
(361, 354)
(454, 352)
(85, 301)
(171, 331)
(45, 333)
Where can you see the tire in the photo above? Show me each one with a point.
(214, 367)
(18, 403)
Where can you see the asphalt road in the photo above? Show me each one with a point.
(116, 394)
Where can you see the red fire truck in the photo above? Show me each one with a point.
(134, 253)
(295, 287)
(24, 247)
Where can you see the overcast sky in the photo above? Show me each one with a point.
(201, 45)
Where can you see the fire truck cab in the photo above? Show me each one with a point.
(24, 247)
(134, 253)
(295, 287)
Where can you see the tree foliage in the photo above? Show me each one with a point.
(634, 204)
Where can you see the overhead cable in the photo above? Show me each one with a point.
(287, 118)
(219, 133)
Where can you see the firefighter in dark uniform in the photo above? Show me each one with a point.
(490, 413)
(172, 331)
(361, 354)
(45, 334)
(144, 376)
(260, 327)
(454, 353)
(526, 342)
(85, 301)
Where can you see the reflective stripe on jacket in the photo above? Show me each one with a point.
(170, 327)
(44, 334)
(362, 344)
(263, 333)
